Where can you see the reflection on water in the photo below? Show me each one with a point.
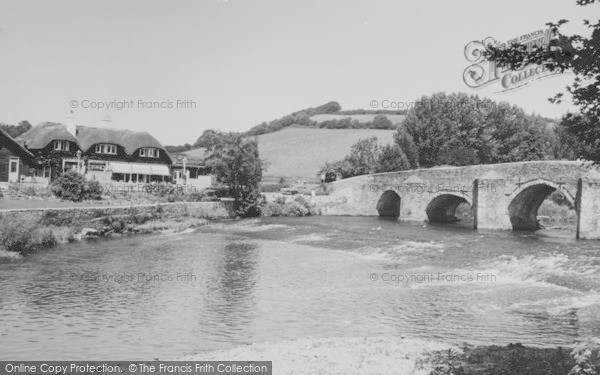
(238, 282)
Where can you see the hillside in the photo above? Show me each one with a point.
(396, 119)
(300, 152)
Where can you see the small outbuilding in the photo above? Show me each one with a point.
(15, 160)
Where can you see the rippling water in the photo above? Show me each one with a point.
(238, 282)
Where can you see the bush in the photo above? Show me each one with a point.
(74, 187)
(249, 204)
(296, 206)
(514, 359)
(19, 235)
(587, 358)
(93, 190)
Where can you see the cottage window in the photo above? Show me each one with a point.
(104, 148)
(149, 152)
(60, 145)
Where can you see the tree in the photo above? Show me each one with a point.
(334, 169)
(382, 122)
(208, 138)
(391, 159)
(405, 142)
(366, 157)
(458, 129)
(575, 53)
(236, 163)
(16, 130)
(581, 135)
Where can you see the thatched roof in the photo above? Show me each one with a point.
(129, 140)
(40, 135)
(15, 143)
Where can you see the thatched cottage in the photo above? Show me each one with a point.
(101, 153)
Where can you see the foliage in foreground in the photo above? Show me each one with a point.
(516, 359)
(579, 55)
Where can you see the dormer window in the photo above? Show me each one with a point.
(60, 145)
(105, 148)
(149, 152)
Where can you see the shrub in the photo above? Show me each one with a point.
(296, 206)
(93, 190)
(513, 359)
(249, 204)
(74, 187)
(587, 358)
(20, 234)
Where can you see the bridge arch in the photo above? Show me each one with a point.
(526, 200)
(388, 204)
(442, 207)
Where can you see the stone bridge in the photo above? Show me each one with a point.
(502, 196)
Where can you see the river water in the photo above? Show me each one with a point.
(237, 282)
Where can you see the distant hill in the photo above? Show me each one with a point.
(363, 119)
(301, 118)
(328, 116)
(300, 152)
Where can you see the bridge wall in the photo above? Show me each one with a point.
(503, 196)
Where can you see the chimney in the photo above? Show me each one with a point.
(106, 122)
(72, 123)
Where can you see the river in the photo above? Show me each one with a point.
(232, 283)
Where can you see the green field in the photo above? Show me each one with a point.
(300, 152)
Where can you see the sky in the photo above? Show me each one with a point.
(232, 64)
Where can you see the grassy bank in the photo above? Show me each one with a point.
(33, 230)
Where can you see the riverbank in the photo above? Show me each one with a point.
(409, 356)
(44, 224)
(28, 230)
(373, 355)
